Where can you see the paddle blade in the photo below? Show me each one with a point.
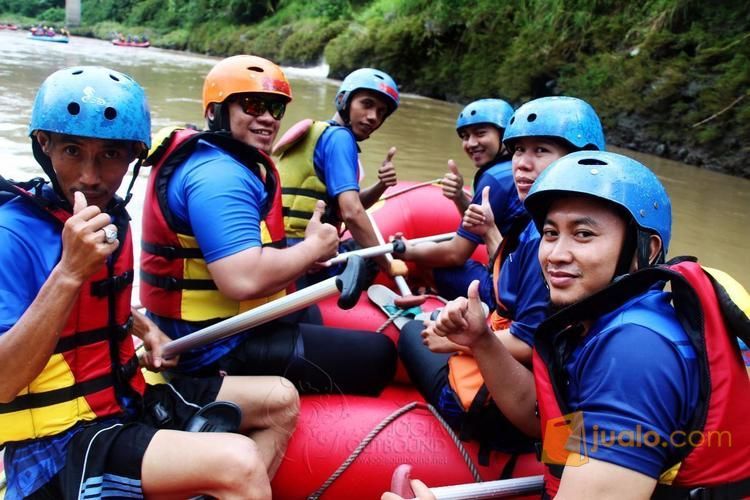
(351, 282)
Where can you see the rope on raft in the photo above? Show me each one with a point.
(410, 188)
(382, 425)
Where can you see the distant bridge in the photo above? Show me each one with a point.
(72, 12)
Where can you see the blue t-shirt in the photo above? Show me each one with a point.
(336, 160)
(220, 201)
(31, 248)
(635, 377)
(521, 286)
(503, 198)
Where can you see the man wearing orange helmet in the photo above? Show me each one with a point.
(214, 246)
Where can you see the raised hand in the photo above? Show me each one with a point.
(436, 343)
(453, 183)
(387, 171)
(463, 320)
(322, 236)
(478, 219)
(84, 243)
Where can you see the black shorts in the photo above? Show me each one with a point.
(104, 458)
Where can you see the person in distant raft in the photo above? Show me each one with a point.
(319, 160)
(214, 244)
(480, 126)
(77, 419)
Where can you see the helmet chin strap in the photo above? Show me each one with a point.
(638, 244)
(46, 164)
(220, 121)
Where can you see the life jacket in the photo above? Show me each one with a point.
(713, 321)
(175, 281)
(301, 187)
(93, 365)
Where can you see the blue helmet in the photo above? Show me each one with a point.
(92, 101)
(493, 111)
(610, 177)
(367, 79)
(567, 118)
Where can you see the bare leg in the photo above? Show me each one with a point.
(270, 406)
(184, 464)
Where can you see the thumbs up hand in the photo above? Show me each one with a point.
(463, 320)
(478, 219)
(387, 171)
(85, 246)
(323, 236)
(453, 183)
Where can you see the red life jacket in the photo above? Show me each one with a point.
(175, 282)
(713, 321)
(83, 378)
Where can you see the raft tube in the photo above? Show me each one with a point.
(331, 428)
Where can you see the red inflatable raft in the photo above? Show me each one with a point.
(397, 427)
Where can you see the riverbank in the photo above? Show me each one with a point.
(668, 77)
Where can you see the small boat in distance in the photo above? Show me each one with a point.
(49, 38)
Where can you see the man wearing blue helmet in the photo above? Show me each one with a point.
(636, 392)
(76, 416)
(480, 126)
(320, 160)
(449, 376)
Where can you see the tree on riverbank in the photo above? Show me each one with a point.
(670, 77)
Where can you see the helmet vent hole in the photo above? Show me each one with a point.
(78, 72)
(257, 69)
(512, 119)
(110, 113)
(74, 108)
(114, 77)
(378, 76)
(531, 117)
(473, 112)
(591, 161)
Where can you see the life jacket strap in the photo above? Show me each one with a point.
(170, 252)
(114, 284)
(728, 491)
(171, 283)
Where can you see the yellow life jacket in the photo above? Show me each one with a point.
(300, 186)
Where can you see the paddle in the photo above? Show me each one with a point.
(350, 283)
(406, 300)
(397, 246)
(489, 489)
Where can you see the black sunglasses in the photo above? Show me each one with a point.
(257, 106)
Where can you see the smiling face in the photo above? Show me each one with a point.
(367, 112)
(257, 131)
(582, 238)
(481, 142)
(531, 155)
(94, 167)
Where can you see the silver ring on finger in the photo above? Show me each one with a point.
(110, 235)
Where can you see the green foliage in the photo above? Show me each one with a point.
(53, 15)
(677, 68)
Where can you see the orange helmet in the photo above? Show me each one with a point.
(242, 74)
